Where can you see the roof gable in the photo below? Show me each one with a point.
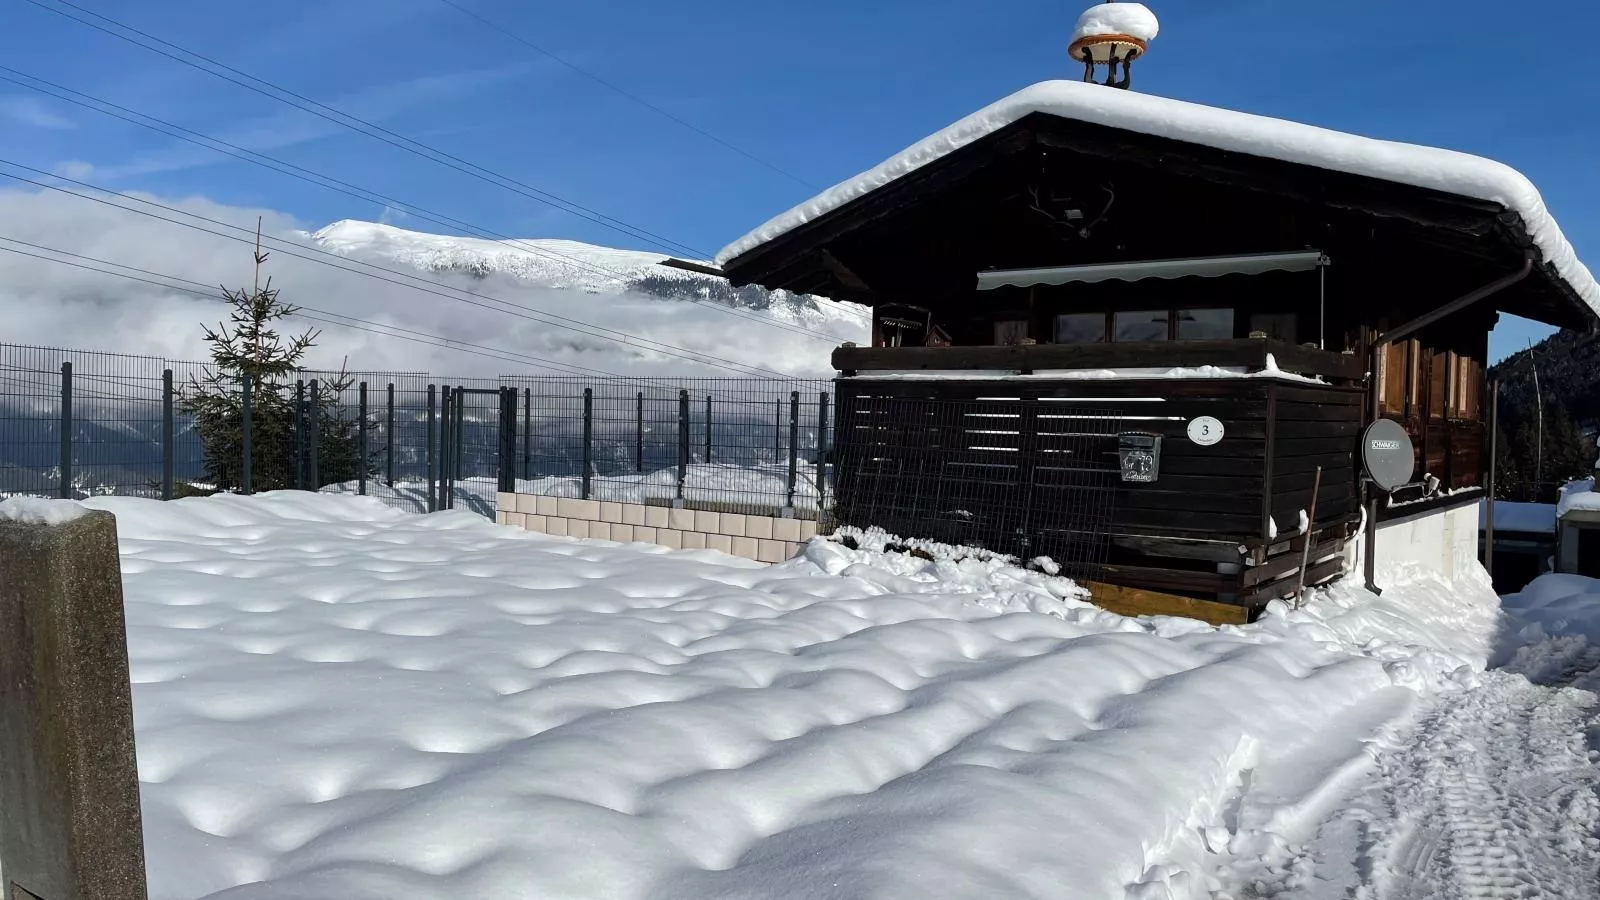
(1433, 169)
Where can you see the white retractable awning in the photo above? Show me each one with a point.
(1205, 266)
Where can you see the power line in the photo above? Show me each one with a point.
(377, 132)
(199, 139)
(203, 291)
(624, 92)
(423, 285)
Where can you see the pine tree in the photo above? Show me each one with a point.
(251, 349)
(339, 456)
(1568, 453)
(1509, 476)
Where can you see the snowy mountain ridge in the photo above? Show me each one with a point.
(549, 262)
(572, 265)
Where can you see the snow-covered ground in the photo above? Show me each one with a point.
(1492, 791)
(336, 699)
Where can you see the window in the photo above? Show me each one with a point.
(1466, 378)
(1392, 378)
(1008, 332)
(1278, 326)
(1414, 382)
(1080, 328)
(1205, 324)
(1142, 325)
(1438, 382)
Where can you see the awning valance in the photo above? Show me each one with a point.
(1205, 266)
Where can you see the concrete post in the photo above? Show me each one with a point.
(70, 826)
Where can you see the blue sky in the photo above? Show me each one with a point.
(820, 90)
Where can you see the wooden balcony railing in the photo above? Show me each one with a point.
(1250, 354)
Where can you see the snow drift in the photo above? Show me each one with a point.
(335, 699)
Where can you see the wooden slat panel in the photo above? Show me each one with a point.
(1287, 564)
(1169, 579)
(1316, 575)
(1219, 526)
(1319, 412)
(1211, 493)
(1326, 396)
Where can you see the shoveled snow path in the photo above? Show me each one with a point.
(1491, 794)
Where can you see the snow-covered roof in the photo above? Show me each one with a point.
(1578, 495)
(1132, 19)
(1446, 171)
(1534, 518)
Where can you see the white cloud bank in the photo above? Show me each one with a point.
(50, 304)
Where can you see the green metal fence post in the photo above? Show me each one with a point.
(314, 432)
(794, 444)
(683, 442)
(299, 435)
(822, 451)
(588, 440)
(247, 429)
(65, 487)
(361, 437)
(388, 442)
(433, 495)
(167, 429)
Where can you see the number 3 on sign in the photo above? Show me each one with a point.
(1205, 431)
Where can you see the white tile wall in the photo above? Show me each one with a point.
(764, 538)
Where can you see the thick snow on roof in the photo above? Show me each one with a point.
(1428, 167)
(1579, 494)
(1132, 19)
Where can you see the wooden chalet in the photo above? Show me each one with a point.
(1077, 271)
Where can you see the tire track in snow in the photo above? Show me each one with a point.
(1495, 793)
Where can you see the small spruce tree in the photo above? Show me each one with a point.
(250, 349)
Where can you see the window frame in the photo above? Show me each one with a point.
(1168, 313)
(1176, 320)
(1105, 328)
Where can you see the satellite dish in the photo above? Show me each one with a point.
(1387, 455)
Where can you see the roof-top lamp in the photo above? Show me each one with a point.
(1113, 34)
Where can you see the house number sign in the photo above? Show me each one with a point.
(1205, 431)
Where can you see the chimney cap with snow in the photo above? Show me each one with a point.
(1111, 34)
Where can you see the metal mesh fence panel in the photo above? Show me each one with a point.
(128, 434)
(1029, 477)
(714, 444)
(419, 442)
(30, 420)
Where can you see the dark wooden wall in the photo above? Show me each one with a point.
(1277, 434)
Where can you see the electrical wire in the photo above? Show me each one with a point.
(343, 119)
(495, 26)
(423, 285)
(327, 182)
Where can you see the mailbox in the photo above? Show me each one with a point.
(1140, 456)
